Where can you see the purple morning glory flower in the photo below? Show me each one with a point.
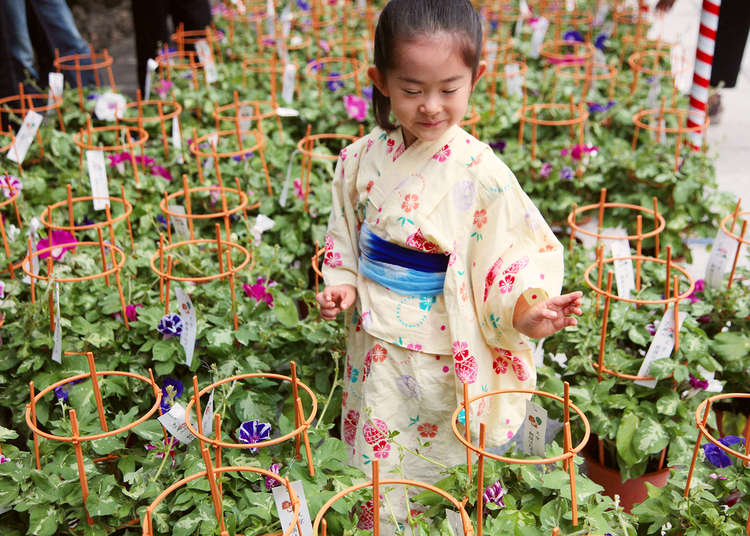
(254, 432)
(367, 92)
(92, 96)
(499, 146)
(651, 328)
(545, 170)
(315, 67)
(595, 107)
(334, 84)
(700, 286)
(566, 173)
(493, 24)
(170, 325)
(241, 157)
(494, 494)
(573, 35)
(162, 221)
(697, 383)
(718, 457)
(272, 482)
(600, 41)
(171, 389)
(86, 221)
(61, 391)
(304, 6)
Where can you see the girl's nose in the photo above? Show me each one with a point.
(430, 106)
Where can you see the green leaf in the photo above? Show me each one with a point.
(220, 337)
(42, 520)
(163, 350)
(650, 437)
(285, 310)
(6, 434)
(628, 426)
(668, 404)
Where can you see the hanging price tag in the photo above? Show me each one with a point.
(177, 139)
(180, 222)
(270, 18)
(98, 179)
(513, 79)
(57, 337)
(537, 37)
(661, 135)
(174, 422)
(570, 5)
(56, 84)
(284, 509)
(624, 275)
(491, 51)
(207, 59)
(208, 416)
(287, 83)
(245, 114)
(455, 523)
(661, 345)
(601, 14)
(722, 247)
(24, 137)
(187, 313)
(535, 428)
(151, 66)
(208, 163)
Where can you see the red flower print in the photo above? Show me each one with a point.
(399, 151)
(342, 154)
(442, 155)
(375, 431)
(366, 367)
(502, 357)
(377, 353)
(427, 430)
(506, 284)
(332, 259)
(350, 426)
(369, 186)
(382, 449)
(463, 292)
(460, 350)
(366, 516)
(464, 364)
(491, 276)
(520, 369)
(480, 218)
(417, 241)
(411, 202)
(390, 144)
(344, 398)
(369, 144)
(348, 367)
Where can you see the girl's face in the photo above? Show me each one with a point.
(429, 86)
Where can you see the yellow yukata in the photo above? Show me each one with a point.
(409, 356)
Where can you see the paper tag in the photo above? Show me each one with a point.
(455, 523)
(286, 112)
(601, 14)
(98, 178)
(57, 337)
(491, 51)
(179, 223)
(570, 5)
(245, 114)
(600, 62)
(151, 66)
(523, 7)
(624, 268)
(284, 508)
(661, 135)
(535, 427)
(207, 59)
(56, 84)
(537, 37)
(287, 83)
(174, 422)
(187, 313)
(661, 345)
(513, 79)
(722, 247)
(208, 163)
(270, 18)
(207, 423)
(177, 139)
(24, 137)
(519, 28)
(653, 92)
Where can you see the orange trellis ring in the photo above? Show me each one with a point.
(575, 18)
(77, 438)
(559, 51)
(152, 111)
(85, 141)
(349, 68)
(534, 113)
(301, 423)
(504, 59)
(740, 239)
(241, 113)
(320, 525)
(315, 262)
(211, 473)
(660, 59)
(585, 75)
(79, 63)
(23, 102)
(566, 458)
(181, 60)
(11, 200)
(472, 121)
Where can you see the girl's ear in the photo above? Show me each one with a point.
(481, 69)
(378, 80)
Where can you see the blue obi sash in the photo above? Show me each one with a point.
(404, 271)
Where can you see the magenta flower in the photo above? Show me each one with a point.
(10, 185)
(59, 241)
(700, 286)
(356, 107)
(145, 161)
(118, 158)
(3, 459)
(298, 188)
(171, 442)
(494, 494)
(160, 171)
(545, 170)
(131, 311)
(651, 328)
(272, 482)
(697, 383)
(163, 87)
(259, 292)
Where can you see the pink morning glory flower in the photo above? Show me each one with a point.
(356, 107)
(60, 241)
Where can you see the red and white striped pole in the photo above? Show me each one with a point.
(704, 58)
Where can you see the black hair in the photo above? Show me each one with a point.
(404, 20)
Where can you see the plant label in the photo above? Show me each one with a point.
(187, 312)
(653, 91)
(207, 59)
(454, 522)
(523, 7)
(98, 179)
(286, 112)
(57, 337)
(180, 222)
(177, 139)
(717, 260)
(535, 429)
(661, 134)
(245, 115)
(270, 18)
(284, 509)
(207, 422)
(24, 137)
(601, 14)
(570, 5)
(661, 345)
(491, 51)
(513, 79)
(151, 66)
(174, 422)
(56, 84)
(714, 386)
(287, 83)
(623, 268)
(537, 37)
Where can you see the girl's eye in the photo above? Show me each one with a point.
(450, 90)
(411, 91)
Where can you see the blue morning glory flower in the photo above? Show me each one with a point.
(573, 35)
(718, 457)
(601, 39)
(334, 84)
(170, 324)
(254, 432)
(367, 92)
(566, 173)
(170, 390)
(61, 391)
(595, 107)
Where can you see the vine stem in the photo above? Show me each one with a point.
(418, 455)
(165, 452)
(336, 383)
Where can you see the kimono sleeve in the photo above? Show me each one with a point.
(518, 254)
(341, 246)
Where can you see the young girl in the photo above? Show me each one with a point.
(443, 265)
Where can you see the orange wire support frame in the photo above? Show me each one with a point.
(153, 111)
(503, 60)
(533, 114)
(301, 423)
(5, 148)
(225, 137)
(634, 43)
(242, 113)
(76, 438)
(702, 413)
(601, 207)
(556, 52)
(315, 262)
(740, 238)
(12, 199)
(472, 121)
(506, 16)
(585, 76)
(655, 120)
(116, 265)
(79, 63)
(345, 69)
(211, 473)
(320, 526)
(577, 18)
(209, 34)
(23, 102)
(629, 16)
(566, 458)
(660, 60)
(90, 139)
(185, 61)
(305, 146)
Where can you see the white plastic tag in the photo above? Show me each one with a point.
(177, 139)
(491, 51)
(207, 59)
(653, 91)
(270, 18)
(661, 135)
(56, 84)
(570, 5)
(179, 222)
(661, 345)
(513, 79)
(287, 83)
(57, 337)
(601, 14)
(151, 66)
(208, 163)
(207, 423)
(624, 275)
(717, 261)
(24, 137)
(245, 114)
(187, 313)
(523, 7)
(286, 112)
(537, 37)
(455, 523)
(174, 422)
(535, 427)
(714, 386)
(284, 508)
(98, 178)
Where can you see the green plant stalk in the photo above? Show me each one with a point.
(418, 455)
(336, 383)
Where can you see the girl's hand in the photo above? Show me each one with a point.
(547, 317)
(333, 300)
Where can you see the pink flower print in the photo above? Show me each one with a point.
(370, 143)
(342, 154)
(377, 353)
(366, 366)
(460, 350)
(332, 259)
(414, 347)
(417, 241)
(348, 366)
(399, 151)
(381, 449)
(411, 202)
(520, 369)
(366, 516)
(356, 107)
(344, 398)
(506, 283)
(350, 426)
(480, 218)
(390, 143)
(427, 430)
(492, 274)
(464, 364)
(375, 432)
(443, 154)
(464, 293)
(502, 358)
(453, 255)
